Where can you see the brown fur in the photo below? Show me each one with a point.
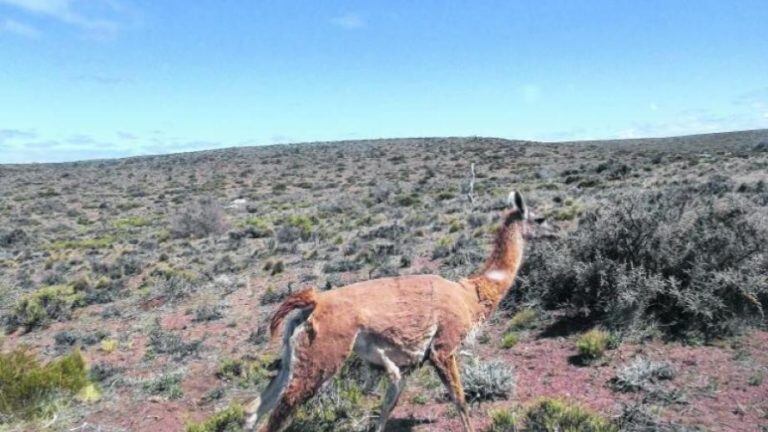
(404, 313)
(306, 299)
(507, 255)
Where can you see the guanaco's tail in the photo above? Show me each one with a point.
(306, 300)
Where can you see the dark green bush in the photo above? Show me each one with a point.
(694, 266)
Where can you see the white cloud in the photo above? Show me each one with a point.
(697, 122)
(753, 98)
(19, 29)
(8, 135)
(280, 139)
(574, 134)
(628, 133)
(689, 122)
(21, 146)
(66, 12)
(349, 21)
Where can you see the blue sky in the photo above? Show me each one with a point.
(84, 79)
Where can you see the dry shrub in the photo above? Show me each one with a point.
(202, 219)
(694, 266)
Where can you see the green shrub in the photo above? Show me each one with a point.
(39, 307)
(407, 200)
(132, 222)
(174, 284)
(297, 227)
(756, 378)
(569, 212)
(168, 385)
(27, 388)
(592, 344)
(589, 182)
(504, 420)
(509, 340)
(245, 371)
(258, 227)
(455, 226)
(94, 243)
(557, 415)
(230, 419)
(304, 223)
(523, 319)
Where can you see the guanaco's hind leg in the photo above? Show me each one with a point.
(448, 370)
(396, 386)
(315, 360)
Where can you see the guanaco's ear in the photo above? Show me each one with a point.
(515, 200)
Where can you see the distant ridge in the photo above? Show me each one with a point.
(729, 141)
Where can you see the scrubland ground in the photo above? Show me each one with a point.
(135, 292)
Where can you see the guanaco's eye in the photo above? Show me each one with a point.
(539, 220)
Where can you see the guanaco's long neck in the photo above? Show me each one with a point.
(498, 273)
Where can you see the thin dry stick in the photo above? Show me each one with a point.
(471, 193)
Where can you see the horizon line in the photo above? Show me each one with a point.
(369, 140)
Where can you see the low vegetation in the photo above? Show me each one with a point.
(592, 344)
(30, 389)
(685, 263)
(44, 305)
(487, 380)
(550, 415)
(509, 339)
(201, 219)
(523, 319)
(341, 407)
(245, 371)
(642, 374)
(168, 268)
(164, 342)
(166, 385)
(230, 419)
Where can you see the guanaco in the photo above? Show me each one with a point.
(396, 323)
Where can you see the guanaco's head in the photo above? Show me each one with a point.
(531, 225)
